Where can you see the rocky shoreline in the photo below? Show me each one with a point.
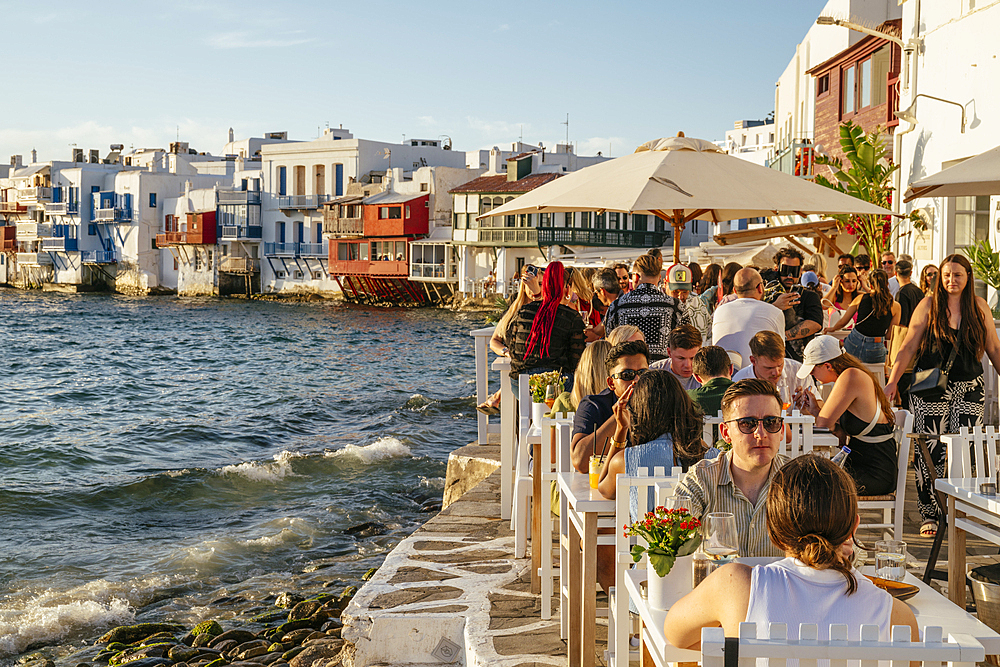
(298, 632)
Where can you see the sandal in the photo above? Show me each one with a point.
(929, 528)
(487, 409)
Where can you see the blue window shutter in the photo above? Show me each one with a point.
(339, 179)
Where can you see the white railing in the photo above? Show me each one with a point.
(34, 194)
(29, 231)
(26, 258)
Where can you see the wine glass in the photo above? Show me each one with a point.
(720, 541)
(550, 395)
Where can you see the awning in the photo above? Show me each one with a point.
(978, 175)
(823, 231)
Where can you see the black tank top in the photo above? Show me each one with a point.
(868, 324)
(966, 367)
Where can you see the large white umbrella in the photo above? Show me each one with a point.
(680, 179)
(978, 175)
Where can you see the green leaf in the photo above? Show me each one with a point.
(690, 546)
(637, 552)
(661, 563)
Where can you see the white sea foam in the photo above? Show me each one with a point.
(381, 449)
(432, 482)
(256, 471)
(21, 627)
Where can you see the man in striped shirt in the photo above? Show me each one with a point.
(738, 481)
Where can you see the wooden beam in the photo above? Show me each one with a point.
(829, 241)
(798, 245)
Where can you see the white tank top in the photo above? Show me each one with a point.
(789, 592)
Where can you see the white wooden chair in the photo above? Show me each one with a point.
(892, 504)
(737, 360)
(550, 569)
(802, 435)
(959, 649)
(520, 516)
(711, 428)
(878, 370)
(619, 621)
(971, 452)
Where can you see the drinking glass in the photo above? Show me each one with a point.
(890, 560)
(550, 395)
(720, 541)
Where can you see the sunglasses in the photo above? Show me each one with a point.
(790, 271)
(887, 261)
(748, 425)
(529, 270)
(628, 374)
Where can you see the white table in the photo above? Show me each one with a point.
(964, 500)
(584, 504)
(930, 608)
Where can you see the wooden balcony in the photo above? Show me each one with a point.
(509, 237)
(342, 227)
(369, 268)
(167, 239)
(604, 238)
(8, 237)
(12, 207)
(242, 265)
(33, 258)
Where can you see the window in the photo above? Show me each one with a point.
(197, 260)
(317, 275)
(279, 274)
(585, 219)
(92, 229)
(848, 91)
(298, 275)
(568, 219)
(972, 219)
(544, 219)
(639, 222)
(613, 220)
(152, 200)
(407, 212)
(865, 84)
(282, 178)
(389, 212)
(152, 243)
(425, 187)
(822, 86)
(175, 263)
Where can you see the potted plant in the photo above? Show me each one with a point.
(985, 267)
(537, 384)
(671, 537)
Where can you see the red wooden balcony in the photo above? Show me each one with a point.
(8, 235)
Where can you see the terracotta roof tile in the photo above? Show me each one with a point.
(499, 183)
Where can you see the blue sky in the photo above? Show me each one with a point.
(97, 73)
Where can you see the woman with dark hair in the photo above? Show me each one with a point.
(928, 279)
(718, 295)
(663, 428)
(546, 335)
(951, 323)
(845, 289)
(856, 410)
(663, 424)
(812, 513)
(875, 314)
(696, 276)
(710, 278)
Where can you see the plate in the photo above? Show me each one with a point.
(897, 589)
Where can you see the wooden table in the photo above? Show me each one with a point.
(930, 608)
(964, 500)
(583, 505)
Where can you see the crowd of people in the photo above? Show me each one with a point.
(648, 350)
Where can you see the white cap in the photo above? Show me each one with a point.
(820, 350)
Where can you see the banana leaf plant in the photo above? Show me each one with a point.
(868, 176)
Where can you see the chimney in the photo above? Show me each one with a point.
(16, 161)
(34, 156)
(231, 135)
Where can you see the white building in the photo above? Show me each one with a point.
(949, 53)
(299, 177)
(750, 140)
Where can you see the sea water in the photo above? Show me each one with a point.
(184, 459)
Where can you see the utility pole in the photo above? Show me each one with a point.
(567, 128)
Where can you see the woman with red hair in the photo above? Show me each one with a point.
(546, 335)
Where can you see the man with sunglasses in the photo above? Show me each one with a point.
(803, 310)
(889, 266)
(621, 270)
(625, 363)
(738, 481)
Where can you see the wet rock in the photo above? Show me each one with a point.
(369, 574)
(252, 652)
(304, 609)
(269, 617)
(218, 662)
(291, 653)
(131, 655)
(202, 640)
(277, 646)
(332, 623)
(239, 636)
(182, 653)
(296, 637)
(150, 662)
(314, 635)
(225, 645)
(367, 529)
(334, 632)
(159, 637)
(285, 628)
(326, 649)
(348, 593)
(288, 600)
(130, 634)
(267, 658)
(430, 505)
(207, 628)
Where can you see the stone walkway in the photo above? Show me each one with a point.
(453, 593)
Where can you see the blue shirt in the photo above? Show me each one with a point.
(593, 411)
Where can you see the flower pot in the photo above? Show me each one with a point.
(538, 411)
(664, 591)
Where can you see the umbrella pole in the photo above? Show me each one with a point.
(678, 223)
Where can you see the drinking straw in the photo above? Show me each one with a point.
(605, 449)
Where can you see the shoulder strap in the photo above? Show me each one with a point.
(951, 358)
(871, 424)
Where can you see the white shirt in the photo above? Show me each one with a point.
(790, 592)
(787, 383)
(736, 322)
(894, 286)
(686, 382)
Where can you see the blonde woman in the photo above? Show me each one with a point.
(591, 377)
(623, 334)
(581, 298)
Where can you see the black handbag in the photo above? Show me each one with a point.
(934, 381)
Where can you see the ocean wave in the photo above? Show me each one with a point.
(383, 448)
(19, 628)
(417, 403)
(256, 471)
